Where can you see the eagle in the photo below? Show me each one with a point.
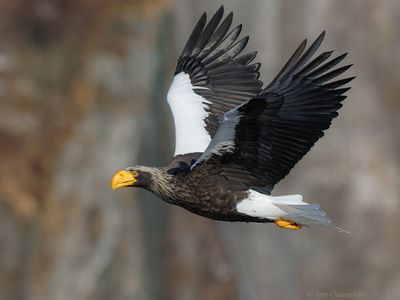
(235, 139)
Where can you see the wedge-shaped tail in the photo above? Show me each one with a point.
(288, 207)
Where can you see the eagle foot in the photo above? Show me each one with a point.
(287, 224)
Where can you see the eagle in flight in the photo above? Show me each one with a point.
(234, 138)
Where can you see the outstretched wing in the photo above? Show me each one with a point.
(261, 140)
(210, 79)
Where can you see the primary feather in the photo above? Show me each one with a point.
(270, 133)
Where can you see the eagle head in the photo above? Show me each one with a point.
(137, 176)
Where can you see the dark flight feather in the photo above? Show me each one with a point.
(266, 136)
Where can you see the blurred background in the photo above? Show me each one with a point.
(82, 94)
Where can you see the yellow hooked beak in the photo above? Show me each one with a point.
(121, 179)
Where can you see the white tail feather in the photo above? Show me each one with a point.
(288, 199)
(290, 207)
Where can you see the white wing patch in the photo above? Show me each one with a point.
(188, 110)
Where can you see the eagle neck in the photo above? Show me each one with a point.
(163, 184)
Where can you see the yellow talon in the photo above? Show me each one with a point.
(287, 224)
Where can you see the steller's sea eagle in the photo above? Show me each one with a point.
(235, 139)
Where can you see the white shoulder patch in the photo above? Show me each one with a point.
(223, 141)
(188, 110)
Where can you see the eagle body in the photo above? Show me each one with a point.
(235, 139)
(205, 192)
